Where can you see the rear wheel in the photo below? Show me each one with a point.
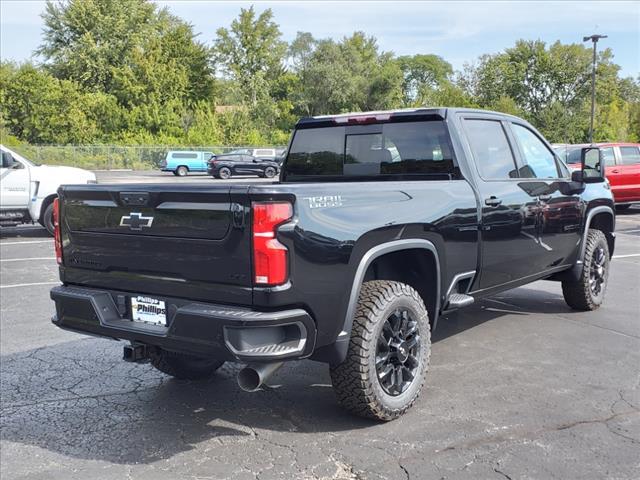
(269, 172)
(224, 173)
(47, 219)
(183, 366)
(181, 171)
(587, 293)
(388, 353)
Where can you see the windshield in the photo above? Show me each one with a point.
(19, 157)
(569, 154)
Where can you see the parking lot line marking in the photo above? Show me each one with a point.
(25, 259)
(15, 285)
(28, 241)
(626, 256)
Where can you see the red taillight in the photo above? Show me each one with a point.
(270, 263)
(57, 238)
(362, 119)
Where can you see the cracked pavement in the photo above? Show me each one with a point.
(519, 387)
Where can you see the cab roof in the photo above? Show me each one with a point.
(381, 116)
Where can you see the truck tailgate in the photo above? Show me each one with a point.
(191, 240)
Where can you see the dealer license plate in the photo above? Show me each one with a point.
(148, 310)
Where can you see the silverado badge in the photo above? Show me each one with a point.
(135, 221)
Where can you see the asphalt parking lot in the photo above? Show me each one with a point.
(155, 176)
(519, 387)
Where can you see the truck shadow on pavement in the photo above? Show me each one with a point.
(30, 232)
(79, 400)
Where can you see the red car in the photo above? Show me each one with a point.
(622, 162)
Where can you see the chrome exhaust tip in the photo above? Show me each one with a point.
(252, 377)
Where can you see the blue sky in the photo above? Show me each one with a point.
(458, 31)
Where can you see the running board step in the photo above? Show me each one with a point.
(459, 300)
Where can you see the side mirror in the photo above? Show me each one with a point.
(7, 160)
(592, 165)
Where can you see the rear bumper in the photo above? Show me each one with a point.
(220, 331)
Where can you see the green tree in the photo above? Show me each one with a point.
(86, 40)
(349, 75)
(422, 75)
(251, 52)
(548, 85)
(40, 108)
(146, 58)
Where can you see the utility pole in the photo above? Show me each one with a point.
(594, 39)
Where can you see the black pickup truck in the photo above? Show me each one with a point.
(380, 223)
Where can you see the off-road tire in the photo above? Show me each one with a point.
(47, 219)
(181, 171)
(578, 294)
(182, 366)
(355, 381)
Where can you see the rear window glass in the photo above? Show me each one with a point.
(629, 155)
(184, 155)
(381, 149)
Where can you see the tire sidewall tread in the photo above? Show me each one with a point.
(355, 380)
(577, 294)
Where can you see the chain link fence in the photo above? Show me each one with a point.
(111, 157)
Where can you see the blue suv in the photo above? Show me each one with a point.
(183, 162)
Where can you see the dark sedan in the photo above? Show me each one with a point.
(227, 165)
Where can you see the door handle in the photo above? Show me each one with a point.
(492, 201)
(615, 171)
(544, 198)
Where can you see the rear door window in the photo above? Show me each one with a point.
(629, 155)
(491, 149)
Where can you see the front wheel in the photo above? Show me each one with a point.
(587, 293)
(388, 354)
(183, 366)
(269, 172)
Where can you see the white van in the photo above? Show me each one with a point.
(27, 189)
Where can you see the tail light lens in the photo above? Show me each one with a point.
(57, 238)
(270, 257)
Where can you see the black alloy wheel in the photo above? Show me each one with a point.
(398, 352)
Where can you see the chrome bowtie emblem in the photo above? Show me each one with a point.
(135, 221)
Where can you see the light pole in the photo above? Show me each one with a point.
(594, 39)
